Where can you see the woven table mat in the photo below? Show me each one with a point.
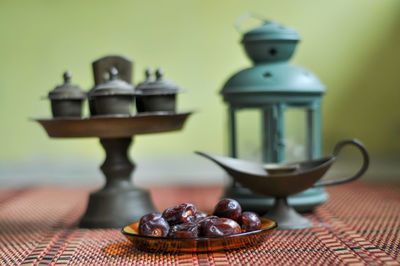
(358, 225)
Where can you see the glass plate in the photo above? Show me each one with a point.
(201, 244)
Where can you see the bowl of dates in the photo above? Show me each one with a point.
(183, 228)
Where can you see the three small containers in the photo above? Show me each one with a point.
(115, 96)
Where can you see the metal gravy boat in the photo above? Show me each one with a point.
(283, 180)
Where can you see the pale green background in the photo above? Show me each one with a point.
(353, 46)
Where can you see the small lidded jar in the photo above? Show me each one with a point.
(66, 99)
(157, 95)
(114, 97)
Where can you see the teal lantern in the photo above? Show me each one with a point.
(273, 86)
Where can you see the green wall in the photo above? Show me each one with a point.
(353, 46)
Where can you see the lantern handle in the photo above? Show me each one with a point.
(240, 20)
(360, 172)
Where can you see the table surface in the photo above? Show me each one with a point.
(359, 224)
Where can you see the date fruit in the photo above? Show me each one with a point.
(219, 227)
(199, 216)
(228, 208)
(187, 230)
(250, 221)
(154, 227)
(206, 219)
(183, 213)
(150, 216)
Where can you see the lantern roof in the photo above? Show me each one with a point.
(279, 77)
(269, 31)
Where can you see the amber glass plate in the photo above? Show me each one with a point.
(201, 244)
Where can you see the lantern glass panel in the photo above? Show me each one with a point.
(295, 134)
(249, 134)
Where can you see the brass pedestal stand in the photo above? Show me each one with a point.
(119, 202)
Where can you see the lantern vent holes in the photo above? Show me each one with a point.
(273, 51)
(267, 74)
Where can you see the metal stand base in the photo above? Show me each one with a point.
(287, 217)
(114, 208)
(305, 201)
(118, 203)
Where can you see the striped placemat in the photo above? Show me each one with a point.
(360, 224)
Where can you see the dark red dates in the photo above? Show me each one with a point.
(183, 213)
(220, 227)
(250, 221)
(228, 208)
(184, 221)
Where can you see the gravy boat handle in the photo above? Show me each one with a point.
(360, 172)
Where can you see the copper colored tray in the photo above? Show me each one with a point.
(114, 126)
(201, 244)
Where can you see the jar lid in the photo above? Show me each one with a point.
(114, 86)
(270, 30)
(157, 86)
(67, 90)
